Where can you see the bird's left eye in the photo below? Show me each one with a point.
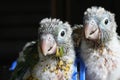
(106, 21)
(62, 33)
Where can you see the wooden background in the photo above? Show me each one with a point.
(19, 20)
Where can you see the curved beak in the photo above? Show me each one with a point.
(91, 30)
(48, 44)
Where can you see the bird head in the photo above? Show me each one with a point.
(99, 24)
(53, 34)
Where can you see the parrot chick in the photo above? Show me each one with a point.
(100, 45)
(54, 37)
(51, 57)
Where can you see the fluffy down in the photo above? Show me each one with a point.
(50, 66)
(100, 45)
(51, 57)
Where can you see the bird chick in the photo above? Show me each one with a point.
(56, 44)
(51, 57)
(100, 45)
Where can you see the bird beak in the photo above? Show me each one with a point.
(91, 30)
(48, 44)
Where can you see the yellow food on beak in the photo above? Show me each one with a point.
(59, 52)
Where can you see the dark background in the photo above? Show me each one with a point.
(19, 21)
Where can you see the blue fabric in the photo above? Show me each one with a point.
(75, 72)
(12, 67)
(82, 69)
(80, 65)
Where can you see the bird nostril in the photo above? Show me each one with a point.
(50, 38)
(92, 22)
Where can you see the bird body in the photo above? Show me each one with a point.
(102, 63)
(54, 53)
(48, 67)
(100, 46)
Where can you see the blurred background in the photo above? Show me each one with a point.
(19, 21)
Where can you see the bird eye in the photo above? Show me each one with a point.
(106, 21)
(62, 33)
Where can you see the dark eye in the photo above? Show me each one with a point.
(62, 33)
(106, 21)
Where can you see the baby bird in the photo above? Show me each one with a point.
(51, 57)
(100, 45)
